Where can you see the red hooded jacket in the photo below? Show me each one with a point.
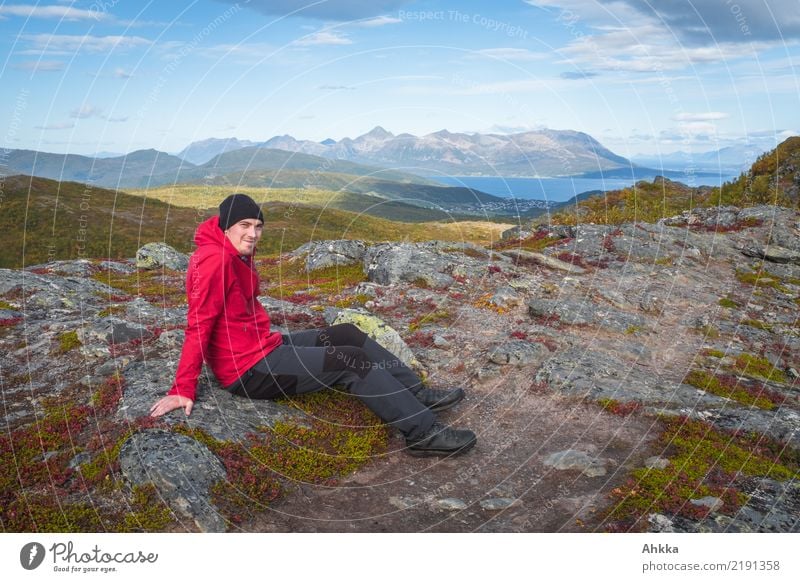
(225, 325)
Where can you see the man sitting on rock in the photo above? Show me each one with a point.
(228, 327)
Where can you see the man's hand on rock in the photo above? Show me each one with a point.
(170, 403)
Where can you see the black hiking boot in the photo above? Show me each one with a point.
(438, 400)
(441, 440)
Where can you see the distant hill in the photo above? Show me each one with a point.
(250, 166)
(728, 160)
(774, 178)
(259, 158)
(133, 170)
(199, 152)
(44, 220)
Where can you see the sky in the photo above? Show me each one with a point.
(642, 77)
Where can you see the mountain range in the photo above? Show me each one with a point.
(533, 153)
(728, 160)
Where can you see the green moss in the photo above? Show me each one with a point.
(703, 462)
(100, 471)
(469, 251)
(714, 353)
(283, 278)
(68, 341)
(729, 303)
(6, 305)
(148, 513)
(438, 315)
(633, 329)
(708, 331)
(342, 434)
(112, 310)
(728, 387)
(161, 286)
(760, 279)
(761, 367)
(619, 408)
(757, 324)
(354, 301)
(45, 513)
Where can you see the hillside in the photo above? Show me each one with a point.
(48, 220)
(640, 377)
(774, 178)
(189, 195)
(413, 194)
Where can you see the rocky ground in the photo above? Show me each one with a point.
(641, 377)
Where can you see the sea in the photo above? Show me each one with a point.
(562, 189)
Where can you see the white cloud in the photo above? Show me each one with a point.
(708, 116)
(714, 21)
(62, 12)
(324, 38)
(510, 54)
(54, 126)
(697, 128)
(121, 73)
(624, 35)
(65, 44)
(339, 10)
(37, 66)
(85, 111)
(88, 111)
(377, 21)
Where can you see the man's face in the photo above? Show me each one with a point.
(245, 234)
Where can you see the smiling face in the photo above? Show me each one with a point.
(244, 235)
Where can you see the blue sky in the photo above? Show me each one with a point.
(642, 77)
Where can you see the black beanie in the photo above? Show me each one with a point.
(238, 207)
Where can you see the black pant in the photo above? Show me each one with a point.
(314, 359)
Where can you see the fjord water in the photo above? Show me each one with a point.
(562, 189)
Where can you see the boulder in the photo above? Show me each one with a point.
(378, 330)
(330, 253)
(157, 255)
(182, 470)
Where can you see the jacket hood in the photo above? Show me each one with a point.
(209, 233)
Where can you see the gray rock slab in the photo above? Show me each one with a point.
(578, 371)
(518, 353)
(522, 257)
(53, 294)
(182, 470)
(585, 312)
(505, 297)
(450, 504)
(222, 415)
(330, 253)
(156, 255)
(773, 253)
(432, 262)
(499, 503)
(574, 459)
